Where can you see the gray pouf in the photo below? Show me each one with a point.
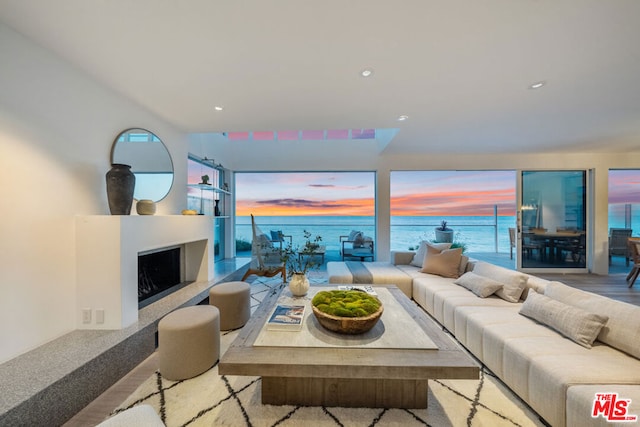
(233, 299)
(188, 341)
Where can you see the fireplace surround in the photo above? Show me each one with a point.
(107, 249)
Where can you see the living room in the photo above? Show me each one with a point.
(59, 119)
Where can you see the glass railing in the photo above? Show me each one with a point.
(479, 234)
(625, 216)
(330, 228)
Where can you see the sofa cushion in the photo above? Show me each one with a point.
(514, 282)
(580, 400)
(444, 263)
(418, 258)
(550, 376)
(425, 286)
(622, 331)
(479, 285)
(572, 322)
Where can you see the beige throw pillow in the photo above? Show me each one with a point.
(442, 263)
(418, 258)
(572, 322)
(513, 281)
(479, 285)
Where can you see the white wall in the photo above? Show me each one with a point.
(56, 130)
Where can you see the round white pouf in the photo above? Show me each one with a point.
(233, 299)
(188, 341)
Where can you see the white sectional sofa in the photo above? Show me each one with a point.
(555, 375)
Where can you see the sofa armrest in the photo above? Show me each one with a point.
(402, 257)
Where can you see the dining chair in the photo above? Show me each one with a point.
(634, 250)
(618, 243)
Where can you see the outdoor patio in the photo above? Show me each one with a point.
(503, 259)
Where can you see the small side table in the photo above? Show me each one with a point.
(316, 252)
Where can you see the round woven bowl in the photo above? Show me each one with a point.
(348, 325)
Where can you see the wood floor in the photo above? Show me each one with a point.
(613, 286)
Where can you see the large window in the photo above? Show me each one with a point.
(202, 198)
(478, 205)
(554, 217)
(624, 199)
(329, 204)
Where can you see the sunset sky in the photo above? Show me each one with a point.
(352, 193)
(624, 186)
(451, 193)
(309, 193)
(414, 193)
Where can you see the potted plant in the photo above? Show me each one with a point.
(444, 234)
(299, 261)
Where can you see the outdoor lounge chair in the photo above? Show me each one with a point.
(266, 258)
(356, 245)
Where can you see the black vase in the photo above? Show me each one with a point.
(120, 185)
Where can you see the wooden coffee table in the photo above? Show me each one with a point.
(346, 376)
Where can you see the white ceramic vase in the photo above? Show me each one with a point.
(298, 284)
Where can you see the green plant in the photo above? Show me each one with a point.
(443, 226)
(459, 244)
(301, 260)
(242, 245)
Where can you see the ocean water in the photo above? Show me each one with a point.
(479, 233)
(625, 216)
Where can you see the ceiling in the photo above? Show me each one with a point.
(460, 69)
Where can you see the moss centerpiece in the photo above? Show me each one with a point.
(346, 312)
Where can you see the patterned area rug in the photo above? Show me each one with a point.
(214, 400)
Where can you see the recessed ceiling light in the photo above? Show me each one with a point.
(402, 118)
(218, 108)
(537, 85)
(367, 72)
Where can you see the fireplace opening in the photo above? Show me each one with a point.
(158, 275)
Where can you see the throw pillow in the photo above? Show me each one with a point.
(418, 258)
(479, 285)
(442, 263)
(514, 282)
(356, 238)
(464, 263)
(574, 323)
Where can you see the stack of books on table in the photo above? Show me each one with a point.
(286, 318)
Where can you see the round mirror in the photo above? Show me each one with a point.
(150, 161)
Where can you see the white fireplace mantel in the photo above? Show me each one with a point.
(107, 249)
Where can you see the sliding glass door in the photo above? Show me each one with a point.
(552, 230)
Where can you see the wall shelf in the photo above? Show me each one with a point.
(208, 187)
